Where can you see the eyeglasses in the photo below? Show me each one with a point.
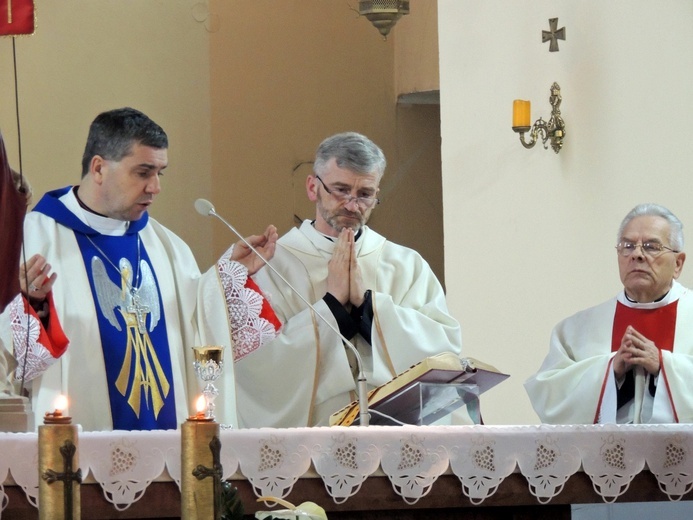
(651, 249)
(343, 195)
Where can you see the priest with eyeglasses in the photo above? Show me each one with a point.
(383, 297)
(628, 360)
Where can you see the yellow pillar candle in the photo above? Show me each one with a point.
(521, 113)
(197, 495)
(59, 474)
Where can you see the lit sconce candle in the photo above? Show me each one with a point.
(521, 113)
(552, 130)
(59, 473)
(200, 465)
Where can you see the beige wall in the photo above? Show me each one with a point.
(530, 234)
(417, 192)
(246, 92)
(416, 49)
(283, 77)
(286, 75)
(87, 56)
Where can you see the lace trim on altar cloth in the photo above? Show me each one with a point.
(249, 331)
(412, 458)
(413, 464)
(672, 466)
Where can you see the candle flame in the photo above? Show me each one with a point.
(201, 404)
(61, 403)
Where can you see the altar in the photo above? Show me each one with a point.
(362, 471)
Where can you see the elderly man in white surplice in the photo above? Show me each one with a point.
(630, 359)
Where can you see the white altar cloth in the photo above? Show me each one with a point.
(412, 457)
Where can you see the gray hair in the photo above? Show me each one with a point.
(655, 210)
(351, 151)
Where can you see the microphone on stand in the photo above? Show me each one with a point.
(206, 209)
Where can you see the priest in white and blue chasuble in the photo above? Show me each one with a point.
(132, 326)
(113, 302)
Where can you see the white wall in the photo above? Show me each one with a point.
(530, 235)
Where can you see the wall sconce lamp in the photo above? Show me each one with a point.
(553, 129)
(383, 14)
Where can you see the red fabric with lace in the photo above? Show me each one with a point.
(267, 312)
(52, 336)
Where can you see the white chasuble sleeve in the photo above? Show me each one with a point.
(410, 317)
(675, 382)
(231, 314)
(201, 320)
(306, 364)
(568, 386)
(304, 375)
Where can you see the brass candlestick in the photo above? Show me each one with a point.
(59, 491)
(201, 470)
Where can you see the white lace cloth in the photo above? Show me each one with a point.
(412, 457)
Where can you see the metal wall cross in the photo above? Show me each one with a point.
(553, 34)
(67, 450)
(216, 472)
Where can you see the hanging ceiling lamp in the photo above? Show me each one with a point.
(383, 14)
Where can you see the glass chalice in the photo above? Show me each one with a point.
(208, 364)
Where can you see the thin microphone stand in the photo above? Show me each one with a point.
(205, 208)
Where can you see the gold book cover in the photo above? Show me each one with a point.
(445, 368)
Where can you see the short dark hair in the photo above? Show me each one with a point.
(112, 135)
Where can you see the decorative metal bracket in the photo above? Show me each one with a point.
(553, 129)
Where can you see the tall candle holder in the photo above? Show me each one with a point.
(59, 491)
(209, 364)
(201, 469)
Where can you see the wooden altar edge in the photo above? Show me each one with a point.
(162, 499)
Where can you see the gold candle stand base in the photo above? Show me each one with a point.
(53, 481)
(197, 494)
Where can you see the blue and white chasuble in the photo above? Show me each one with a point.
(131, 321)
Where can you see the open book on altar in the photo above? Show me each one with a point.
(433, 387)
